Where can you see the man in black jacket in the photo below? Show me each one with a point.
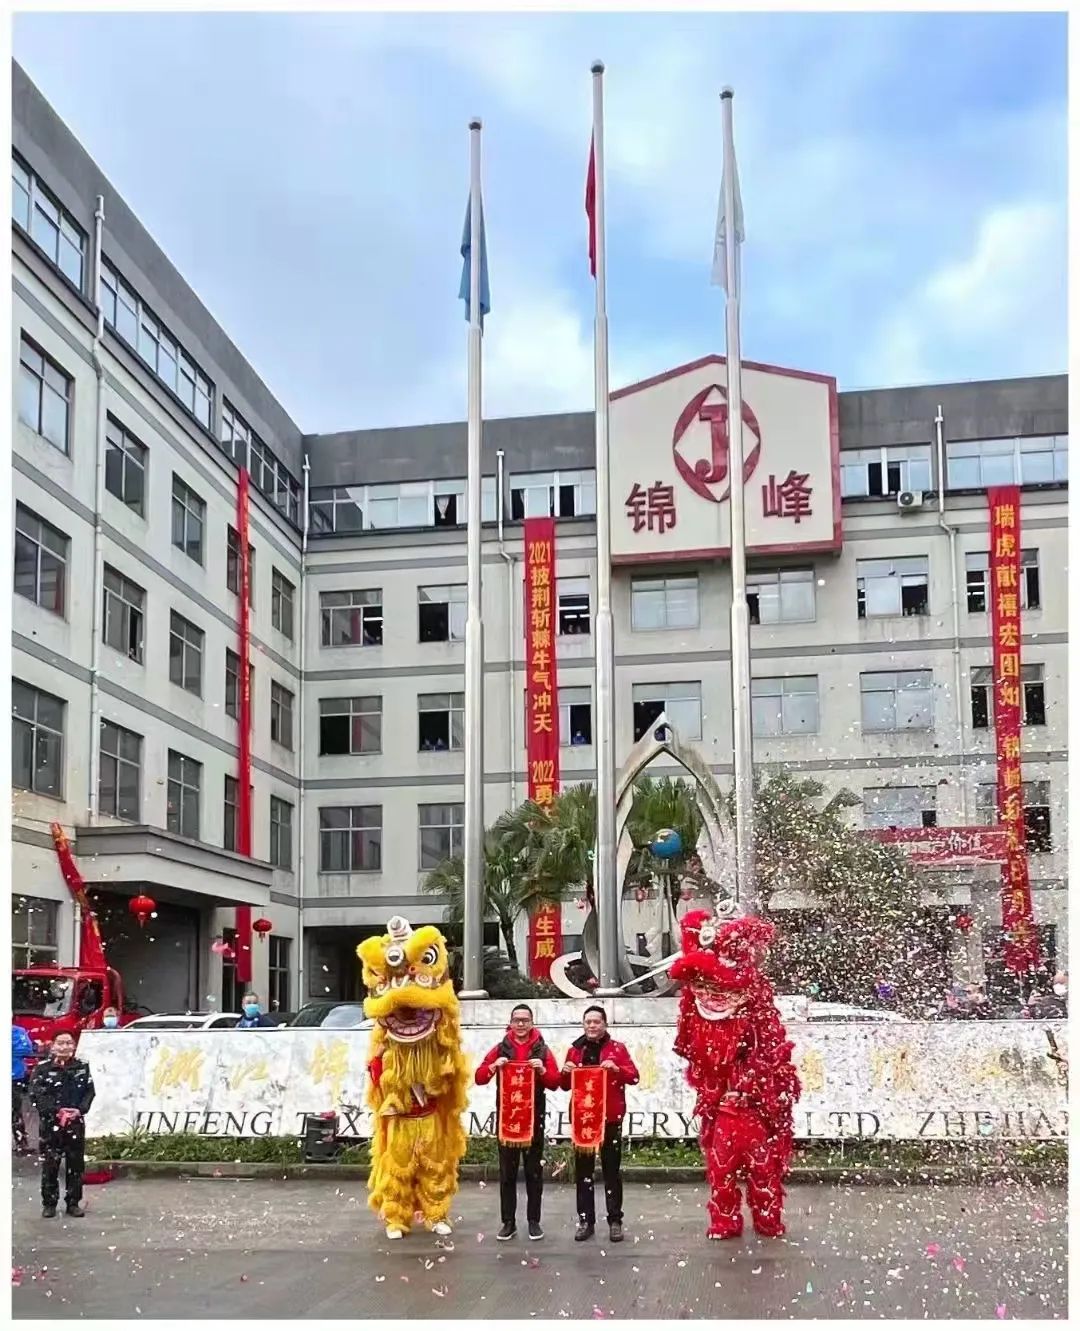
(62, 1091)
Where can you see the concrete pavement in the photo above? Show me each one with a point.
(228, 1248)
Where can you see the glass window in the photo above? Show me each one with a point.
(442, 722)
(897, 700)
(664, 603)
(185, 780)
(350, 725)
(681, 701)
(125, 467)
(122, 625)
(33, 942)
(974, 464)
(281, 715)
(785, 706)
(1036, 797)
(282, 594)
(352, 508)
(442, 612)
(781, 596)
(350, 839)
(44, 395)
(37, 740)
(575, 717)
(573, 598)
(352, 618)
(552, 494)
(893, 586)
(119, 778)
(978, 580)
(1032, 696)
(185, 653)
(278, 983)
(232, 688)
(52, 228)
(41, 559)
(281, 818)
(188, 520)
(442, 833)
(879, 472)
(900, 806)
(232, 565)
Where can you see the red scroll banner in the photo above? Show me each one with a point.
(541, 713)
(588, 1107)
(517, 1104)
(1021, 949)
(243, 717)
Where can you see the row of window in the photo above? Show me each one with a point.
(42, 557)
(971, 464)
(350, 836)
(916, 806)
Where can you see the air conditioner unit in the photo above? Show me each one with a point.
(907, 500)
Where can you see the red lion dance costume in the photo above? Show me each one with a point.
(739, 1063)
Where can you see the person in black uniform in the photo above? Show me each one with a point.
(62, 1091)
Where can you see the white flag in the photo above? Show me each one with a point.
(719, 268)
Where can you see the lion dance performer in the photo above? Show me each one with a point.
(417, 1077)
(739, 1063)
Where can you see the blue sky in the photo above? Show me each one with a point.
(903, 180)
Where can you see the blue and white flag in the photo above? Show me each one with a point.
(466, 267)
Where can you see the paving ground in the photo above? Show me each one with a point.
(234, 1249)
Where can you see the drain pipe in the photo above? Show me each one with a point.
(950, 531)
(301, 811)
(97, 588)
(511, 730)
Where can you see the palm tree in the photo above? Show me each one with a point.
(555, 842)
(667, 802)
(509, 889)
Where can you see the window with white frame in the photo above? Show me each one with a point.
(281, 819)
(781, 596)
(573, 599)
(235, 433)
(350, 508)
(664, 603)
(277, 987)
(45, 392)
(978, 581)
(52, 228)
(442, 722)
(232, 565)
(681, 701)
(185, 653)
(120, 772)
(33, 932)
(1036, 805)
(900, 806)
(124, 612)
(41, 560)
(281, 715)
(785, 706)
(552, 494)
(125, 466)
(232, 688)
(125, 313)
(873, 472)
(575, 717)
(442, 833)
(350, 725)
(188, 519)
(352, 618)
(230, 839)
(1032, 696)
(37, 740)
(897, 700)
(441, 613)
(893, 586)
(350, 839)
(185, 783)
(282, 595)
(974, 464)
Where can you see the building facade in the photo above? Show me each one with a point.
(127, 450)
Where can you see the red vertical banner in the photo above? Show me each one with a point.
(1021, 949)
(243, 716)
(541, 713)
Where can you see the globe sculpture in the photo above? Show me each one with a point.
(666, 844)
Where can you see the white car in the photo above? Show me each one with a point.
(185, 1021)
(795, 1007)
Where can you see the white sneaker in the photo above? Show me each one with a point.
(392, 1232)
(441, 1228)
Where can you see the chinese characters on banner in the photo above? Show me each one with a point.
(1021, 950)
(243, 716)
(517, 1104)
(541, 712)
(588, 1107)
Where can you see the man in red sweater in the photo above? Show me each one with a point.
(596, 1048)
(522, 1043)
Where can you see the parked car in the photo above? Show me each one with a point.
(185, 1021)
(348, 1016)
(796, 1007)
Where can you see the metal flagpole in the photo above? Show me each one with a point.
(473, 940)
(740, 611)
(606, 883)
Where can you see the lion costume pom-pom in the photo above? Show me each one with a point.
(417, 1077)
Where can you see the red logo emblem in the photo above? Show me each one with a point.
(708, 476)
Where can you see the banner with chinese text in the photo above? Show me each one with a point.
(517, 1104)
(588, 1107)
(541, 713)
(1021, 950)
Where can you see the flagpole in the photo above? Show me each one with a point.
(740, 611)
(473, 928)
(605, 880)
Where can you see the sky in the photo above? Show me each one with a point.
(903, 180)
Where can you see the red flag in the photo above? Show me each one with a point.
(590, 205)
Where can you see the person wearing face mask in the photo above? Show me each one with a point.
(1049, 1003)
(253, 1015)
(110, 1019)
(62, 1091)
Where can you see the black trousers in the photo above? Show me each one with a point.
(611, 1165)
(18, 1123)
(67, 1145)
(509, 1159)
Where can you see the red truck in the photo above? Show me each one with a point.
(46, 1000)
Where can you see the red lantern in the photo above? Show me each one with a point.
(142, 907)
(964, 922)
(640, 894)
(262, 927)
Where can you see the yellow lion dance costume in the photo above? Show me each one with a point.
(417, 1077)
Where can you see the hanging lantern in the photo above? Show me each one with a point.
(262, 927)
(964, 922)
(640, 894)
(142, 907)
